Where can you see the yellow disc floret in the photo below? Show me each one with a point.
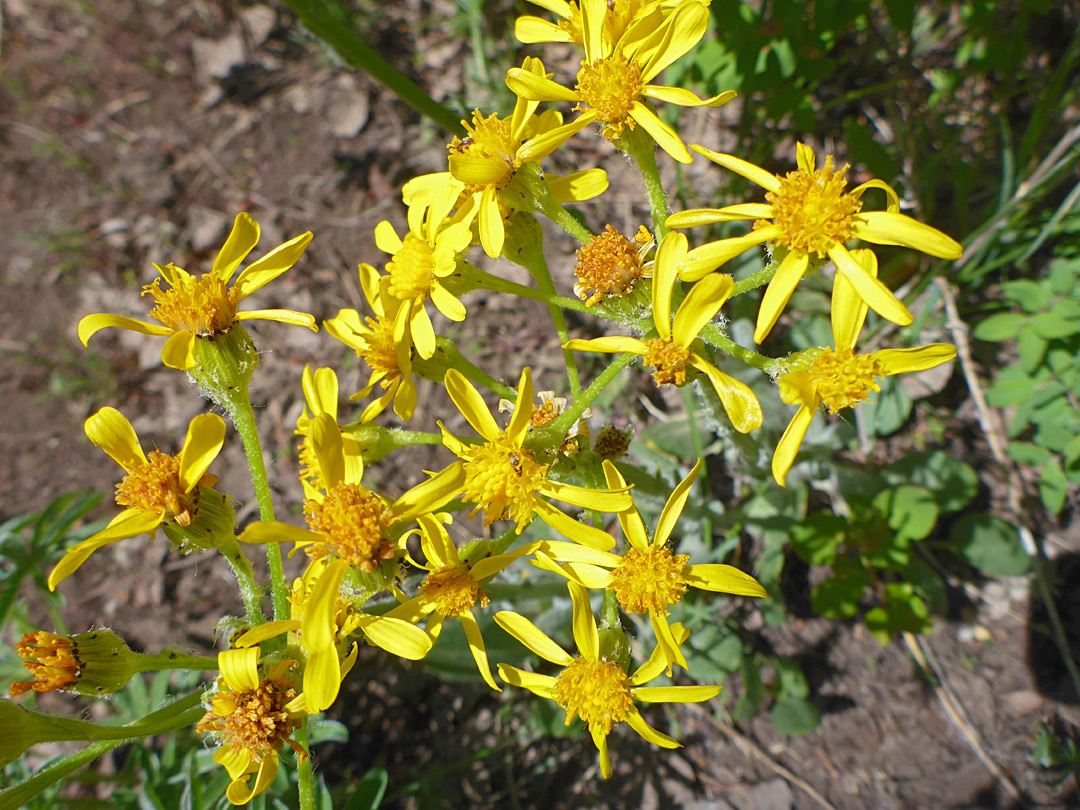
(53, 661)
(155, 487)
(453, 590)
(354, 522)
(202, 305)
(843, 379)
(596, 691)
(489, 138)
(254, 720)
(610, 86)
(610, 264)
(669, 360)
(501, 478)
(412, 269)
(813, 209)
(650, 580)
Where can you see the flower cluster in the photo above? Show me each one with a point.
(547, 499)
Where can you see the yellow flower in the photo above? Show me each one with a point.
(647, 578)
(205, 306)
(671, 353)
(321, 396)
(840, 378)
(454, 586)
(352, 527)
(487, 161)
(157, 489)
(373, 341)
(619, 16)
(811, 214)
(599, 691)
(613, 83)
(254, 717)
(506, 480)
(321, 618)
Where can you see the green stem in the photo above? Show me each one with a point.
(711, 334)
(642, 148)
(170, 659)
(557, 213)
(555, 431)
(479, 279)
(250, 592)
(305, 778)
(330, 21)
(699, 449)
(238, 404)
(755, 280)
(532, 256)
(475, 374)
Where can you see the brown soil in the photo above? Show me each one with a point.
(132, 132)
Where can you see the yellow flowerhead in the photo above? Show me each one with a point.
(840, 378)
(488, 160)
(809, 212)
(427, 254)
(157, 489)
(454, 585)
(205, 306)
(254, 717)
(613, 83)
(597, 690)
(648, 577)
(389, 360)
(671, 353)
(507, 481)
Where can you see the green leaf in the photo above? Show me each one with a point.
(369, 792)
(792, 679)
(753, 693)
(1063, 276)
(839, 597)
(1000, 326)
(990, 544)
(903, 612)
(1051, 325)
(952, 482)
(795, 716)
(1032, 349)
(912, 512)
(887, 412)
(817, 538)
(1028, 453)
(1053, 487)
(1026, 293)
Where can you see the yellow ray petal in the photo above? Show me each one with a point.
(268, 630)
(902, 361)
(537, 88)
(609, 345)
(848, 307)
(471, 404)
(877, 296)
(447, 303)
(281, 316)
(179, 351)
(492, 227)
(129, 523)
(788, 446)
(542, 685)
(386, 238)
(675, 694)
(260, 273)
(666, 642)
(779, 291)
(243, 237)
(532, 637)
(699, 307)
(112, 432)
(694, 217)
(533, 30)
(205, 436)
(429, 495)
(270, 531)
(523, 408)
(599, 738)
(586, 634)
(575, 530)
(701, 261)
(743, 408)
(477, 170)
(584, 185)
(666, 137)
(674, 506)
(669, 255)
(322, 679)
(540, 146)
(638, 724)
(398, 637)
(319, 625)
(476, 647)
(684, 98)
(723, 579)
(886, 228)
(240, 668)
(92, 324)
(586, 497)
(329, 449)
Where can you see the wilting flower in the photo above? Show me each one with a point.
(840, 378)
(488, 160)
(427, 254)
(597, 690)
(505, 480)
(254, 718)
(611, 265)
(158, 489)
(613, 83)
(205, 306)
(811, 214)
(671, 353)
(454, 586)
(648, 577)
(389, 360)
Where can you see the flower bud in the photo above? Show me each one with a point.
(224, 363)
